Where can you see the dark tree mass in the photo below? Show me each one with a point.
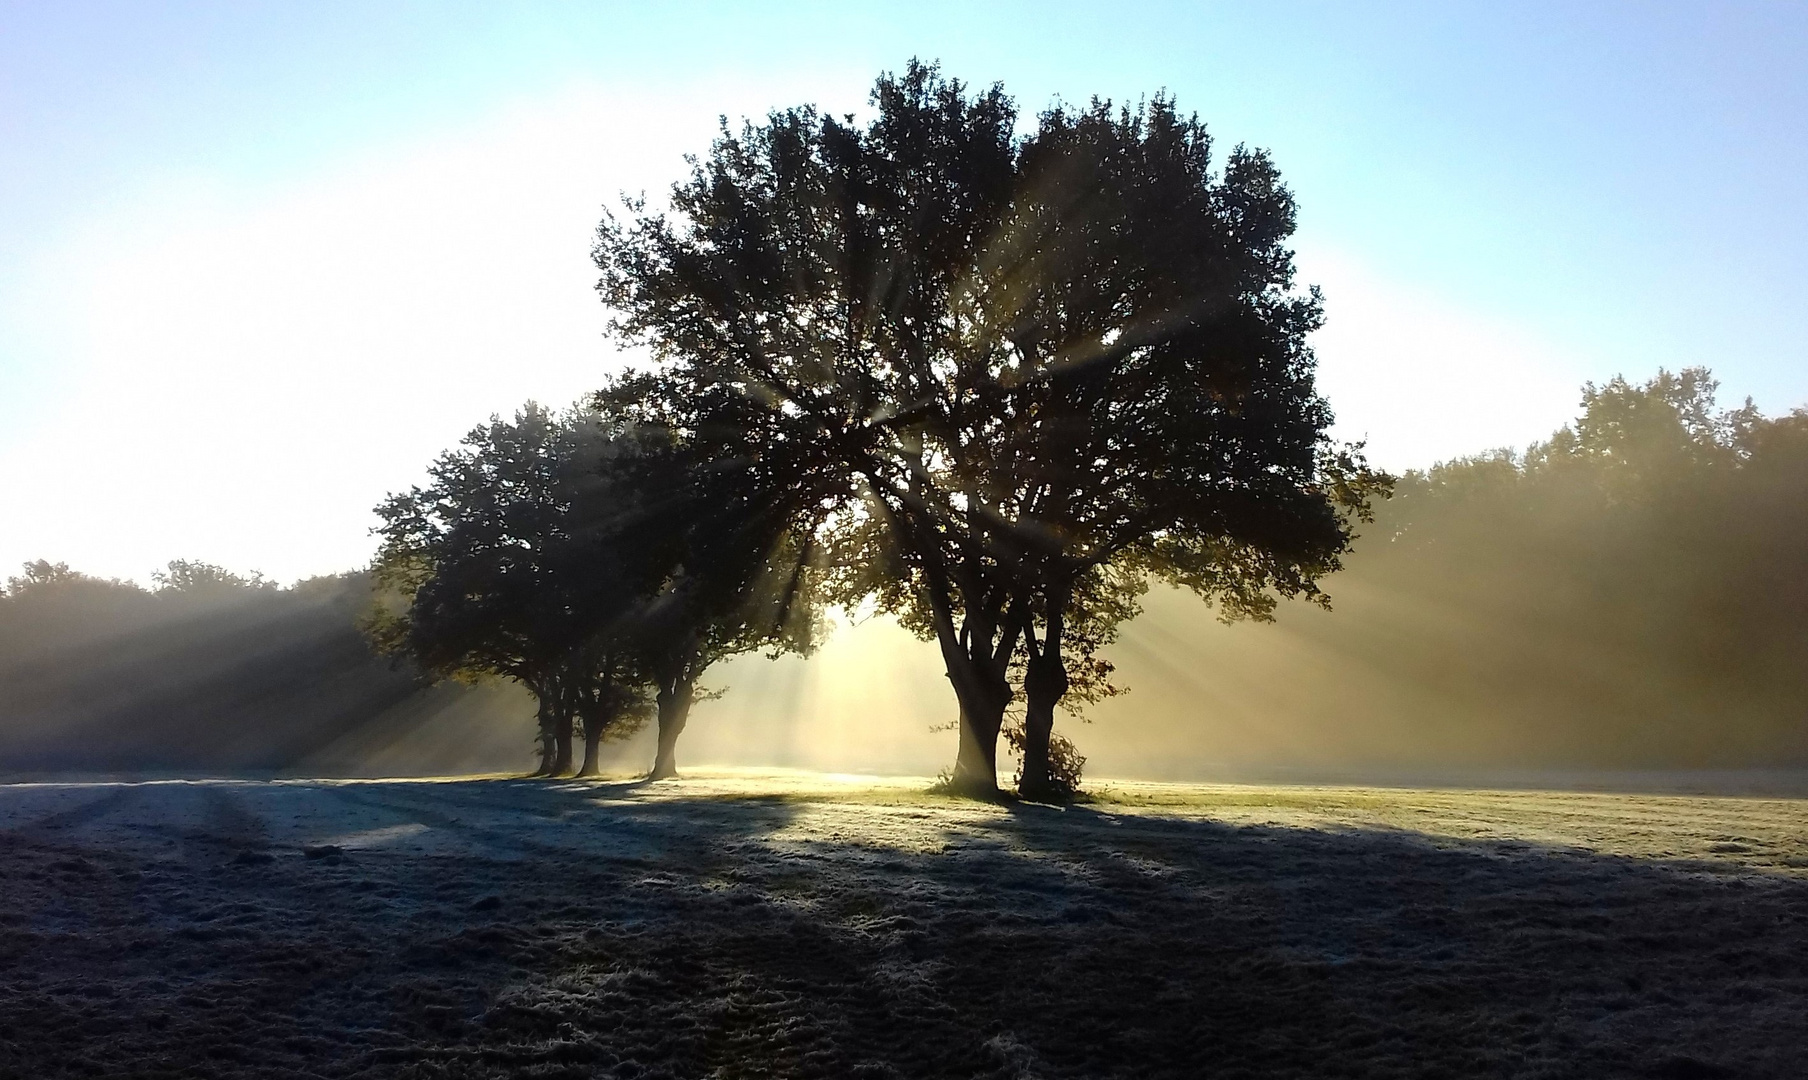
(589, 557)
(1021, 369)
(1632, 592)
(210, 672)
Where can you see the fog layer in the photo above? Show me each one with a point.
(1632, 593)
(215, 673)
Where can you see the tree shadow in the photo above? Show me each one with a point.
(621, 928)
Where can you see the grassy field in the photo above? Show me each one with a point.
(740, 924)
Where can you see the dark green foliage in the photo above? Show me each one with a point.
(595, 558)
(520, 560)
(1003, 362)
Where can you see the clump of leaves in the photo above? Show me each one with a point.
(1065, 762)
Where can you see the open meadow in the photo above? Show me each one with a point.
(506, 505)
(742, 924)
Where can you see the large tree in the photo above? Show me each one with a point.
(1163, 418)
(1014, 360)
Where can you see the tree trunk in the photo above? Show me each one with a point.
(1044, 685)
(562, 741)
(983, 691)
(593, 738)
(976, 765)
(674, 713)
(975, 668)
(546, 742)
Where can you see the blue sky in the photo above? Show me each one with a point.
(258, 262)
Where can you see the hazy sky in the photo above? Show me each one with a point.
(260, 262)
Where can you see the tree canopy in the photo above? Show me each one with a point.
(587, 556)
(501, 566)
(1005, 361)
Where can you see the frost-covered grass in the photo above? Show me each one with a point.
(743, 923)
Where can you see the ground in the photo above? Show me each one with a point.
(789, 925)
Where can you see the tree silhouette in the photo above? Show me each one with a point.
(730, 532)
(507, 566)
(1165, 417)
(593, 557)
(1007, 361)
(195, 577)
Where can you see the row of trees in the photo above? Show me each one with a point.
(994, 383)
(589, 557)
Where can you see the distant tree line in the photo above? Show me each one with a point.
(1629, 593)
(208, 671)
(1632, 589)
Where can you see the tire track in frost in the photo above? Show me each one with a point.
(626, 838)
(486, 841)
(121, 797)
(229, 821)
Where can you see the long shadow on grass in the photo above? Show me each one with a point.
(1368, 952)
(586, 930)
(1086, 943)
